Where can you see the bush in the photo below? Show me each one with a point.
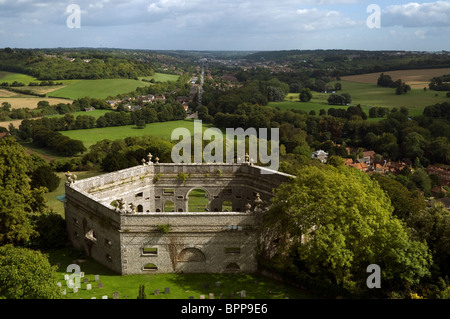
(44, 176)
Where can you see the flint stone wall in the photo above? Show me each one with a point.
(136, 243)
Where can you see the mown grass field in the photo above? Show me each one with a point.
(102, 89)
(181, 285)
(160, 129)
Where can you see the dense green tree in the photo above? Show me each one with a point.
(26, 274)
(339, 221)
(44, 176)
(305, 95)
(17, 201)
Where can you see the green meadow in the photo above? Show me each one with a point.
(11, 77)
(95, 113)
(367, 95)
(101, 89)
(160, 129)
(181, 286)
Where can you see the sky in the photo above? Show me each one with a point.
(252, 25)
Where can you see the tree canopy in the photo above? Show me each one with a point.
(338, 221)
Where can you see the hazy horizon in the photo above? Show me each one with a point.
(218, 25)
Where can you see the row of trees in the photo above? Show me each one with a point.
(440, 83)
(62, 67)
(401, 87)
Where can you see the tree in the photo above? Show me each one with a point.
(433, 225)
(44, 176)
(17, 201)
(305, 95)
(142, 294)
(6, 107)
(337, 221)
(26, 274)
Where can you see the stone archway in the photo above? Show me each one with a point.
(198, 200)
(191, 260)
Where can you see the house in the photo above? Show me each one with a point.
(321, 155)
(111, 103)
(438, 190)
(443, 174)
(89, 109)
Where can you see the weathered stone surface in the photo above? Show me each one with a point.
(197, 242)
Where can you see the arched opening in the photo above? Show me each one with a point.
(150, 267)
(227, 206)
(191, 260)
(191, 255)
(140, 209)
(169, 206)
(198, 200)
(233, 267)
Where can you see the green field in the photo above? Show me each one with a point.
(181, 285)
(102, 89)
(368, 95)
(11, 77)
(96, 113)
(160, 129)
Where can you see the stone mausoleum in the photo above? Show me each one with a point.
(119, 218)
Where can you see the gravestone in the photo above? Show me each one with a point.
(116, 295)
(75, 290)
(104, 297)
(206, 286)
(166, 290)
(93, 297)
(100, 285)
(70, 283)
(202, 296)
(66, 277)
(218, 284)
(58, 284)
(82, 274)
(88, 287)
(191, 297)
(85, 280)
(243, 293)
(156, 291)
(211, 295)
(64, 292)
(97, 277)
(221, 295)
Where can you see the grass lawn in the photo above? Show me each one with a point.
(181, 285)
(161, 129)
(197, 201)
(11, 77)
(103, 88)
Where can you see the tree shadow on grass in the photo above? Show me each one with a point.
(231, 285)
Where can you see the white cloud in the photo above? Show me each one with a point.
(433, 14)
